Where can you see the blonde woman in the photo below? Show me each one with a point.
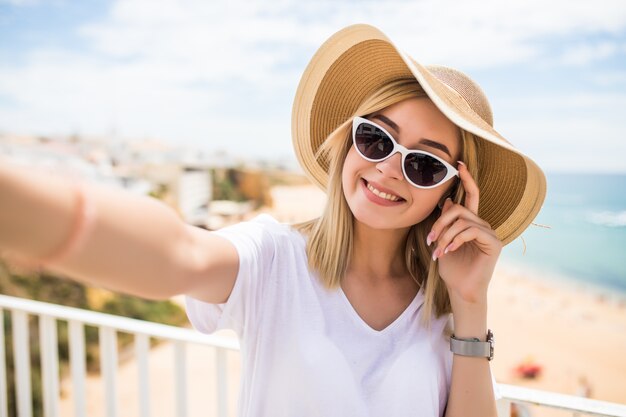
(376, 308)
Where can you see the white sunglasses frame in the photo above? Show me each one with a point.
(452, 171)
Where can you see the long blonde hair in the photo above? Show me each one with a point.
(330, 236)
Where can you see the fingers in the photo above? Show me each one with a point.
(460, 232)
(470, 187)
(449, 214)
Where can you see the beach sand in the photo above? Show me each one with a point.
(570, 331)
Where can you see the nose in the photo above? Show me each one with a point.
(392, 166)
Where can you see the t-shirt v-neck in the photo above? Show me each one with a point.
(419, 297)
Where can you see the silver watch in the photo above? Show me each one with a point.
(473, 346)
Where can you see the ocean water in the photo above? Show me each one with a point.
(586, 241)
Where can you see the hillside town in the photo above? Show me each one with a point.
(208, 189)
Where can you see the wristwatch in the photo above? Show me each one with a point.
(473, 346)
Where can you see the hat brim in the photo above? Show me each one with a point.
(358, 60)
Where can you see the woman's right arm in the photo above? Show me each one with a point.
(137, 244)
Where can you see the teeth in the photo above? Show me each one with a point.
(381, 194)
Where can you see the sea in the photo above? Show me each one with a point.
(579, 234)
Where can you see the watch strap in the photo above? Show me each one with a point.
(473, 346)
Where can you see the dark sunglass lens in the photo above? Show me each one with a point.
(424, 170)
(372, 142)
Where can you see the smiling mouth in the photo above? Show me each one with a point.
(381, 194)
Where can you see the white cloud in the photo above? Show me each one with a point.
(19, 2)
(561, 131)
(606, 78)
(584, 101)
(471, 33)
(585, 53)
(196, 70)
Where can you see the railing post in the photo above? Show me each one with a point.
(180, 368)
(49, 365)
(77, 363)
(221, 375)
(21, 360)
(142, 344)
(4, 403)
(504, 407)
(108, 368)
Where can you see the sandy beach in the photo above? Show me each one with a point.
(570, 331)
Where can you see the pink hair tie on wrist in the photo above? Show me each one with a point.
(83, 222)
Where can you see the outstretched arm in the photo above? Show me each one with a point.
(136, 244)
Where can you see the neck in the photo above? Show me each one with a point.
(378, 254)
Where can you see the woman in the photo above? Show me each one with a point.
(348, 314)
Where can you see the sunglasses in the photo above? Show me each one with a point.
(421, 169)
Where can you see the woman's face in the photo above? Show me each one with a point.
(415, 119)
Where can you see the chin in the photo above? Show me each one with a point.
(376, 220)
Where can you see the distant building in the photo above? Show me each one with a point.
(193, 194)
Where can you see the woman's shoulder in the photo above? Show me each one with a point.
(277, 229)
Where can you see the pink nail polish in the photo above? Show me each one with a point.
(429, 238)
(461, 162)
(435, 254)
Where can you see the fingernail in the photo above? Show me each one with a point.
(435, 254)
(447, 248)
(461, 162)
(430, 238)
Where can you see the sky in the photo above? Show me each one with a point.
(222, 75)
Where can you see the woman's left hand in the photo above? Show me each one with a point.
(465, 245)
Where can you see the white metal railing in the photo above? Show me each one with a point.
(577, 405)
(110, 325)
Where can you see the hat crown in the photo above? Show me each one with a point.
(466, 87)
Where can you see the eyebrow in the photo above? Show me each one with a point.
(425, 141)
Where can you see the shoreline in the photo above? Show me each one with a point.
(613, 295)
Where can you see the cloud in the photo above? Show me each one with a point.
(608, 78)
(199, 72)
(560, 131)
(19, 3)
(585, 53)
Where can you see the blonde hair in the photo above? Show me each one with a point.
(330, 236)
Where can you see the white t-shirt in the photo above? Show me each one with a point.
(306, 352)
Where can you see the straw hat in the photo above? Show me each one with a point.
(359, 59)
